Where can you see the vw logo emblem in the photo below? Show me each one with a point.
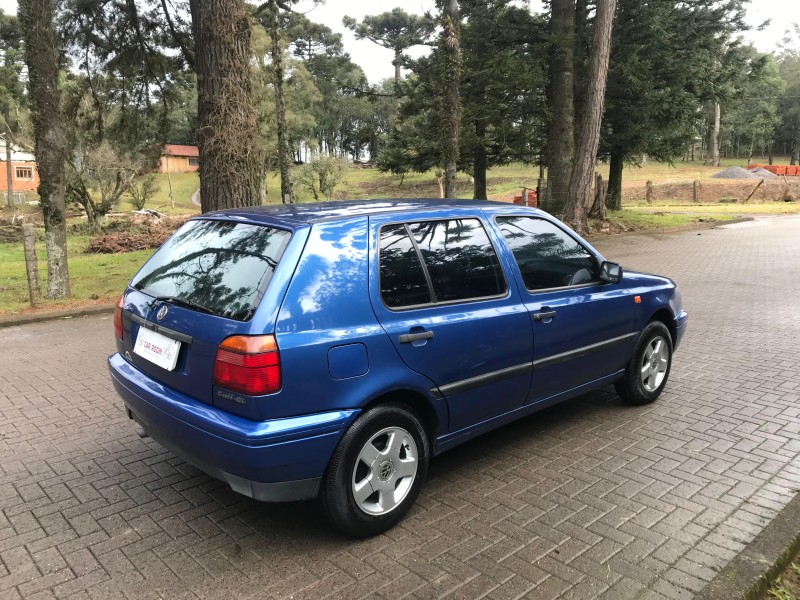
(385, 471)
(162, 312)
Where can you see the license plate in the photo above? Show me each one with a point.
(157, 348)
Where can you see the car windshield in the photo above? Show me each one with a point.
(220, 267)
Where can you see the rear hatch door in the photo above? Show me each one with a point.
(203, 285)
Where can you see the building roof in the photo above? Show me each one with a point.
(17, 154)
(177, 150)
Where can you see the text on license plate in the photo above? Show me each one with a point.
(157, 348)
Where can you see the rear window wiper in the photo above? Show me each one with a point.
(180, 302)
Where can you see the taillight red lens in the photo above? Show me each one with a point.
(118, 332)
(248, 364)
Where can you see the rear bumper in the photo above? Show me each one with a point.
(273, 461)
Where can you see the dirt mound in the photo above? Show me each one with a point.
(736, 173)
(126, 241)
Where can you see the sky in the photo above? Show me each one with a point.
(377, 61)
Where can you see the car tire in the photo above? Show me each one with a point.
(376, 471)
(648, 369)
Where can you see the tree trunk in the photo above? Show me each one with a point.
(397, 72)
(616, 164)
(480, 162)
(580, 184)
(9, 170)
(231, 150)
(796, 145)
(451, 46)
(715, 136)
(580, 61)
(284, 152)
(561, 130)
(42, 55)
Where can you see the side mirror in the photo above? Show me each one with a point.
(610, 272)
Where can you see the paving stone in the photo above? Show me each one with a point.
(590, 499)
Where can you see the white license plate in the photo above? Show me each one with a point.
(157, 348)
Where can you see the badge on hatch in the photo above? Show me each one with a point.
(162, 312)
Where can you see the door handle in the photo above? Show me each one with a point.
(407, 338)
(544, 316)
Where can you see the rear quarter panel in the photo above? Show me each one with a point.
(323, 323)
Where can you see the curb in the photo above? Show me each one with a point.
(51, 315)
(749, 575)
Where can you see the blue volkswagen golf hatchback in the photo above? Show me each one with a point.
(332, 349)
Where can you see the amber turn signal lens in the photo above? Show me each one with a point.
(249, 344)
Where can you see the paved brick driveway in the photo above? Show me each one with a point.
(591, 499)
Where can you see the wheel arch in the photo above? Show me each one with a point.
(418, 403)
(665, 316)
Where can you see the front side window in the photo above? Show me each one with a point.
(442, 261)
(194, 162)
(220, 267)
(547, 256)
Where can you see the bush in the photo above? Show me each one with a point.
(322, 175)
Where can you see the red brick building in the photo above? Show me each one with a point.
(24, 176)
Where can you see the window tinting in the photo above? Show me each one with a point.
(460, 259)
(220, 266)
(547, 256)
(402, 278)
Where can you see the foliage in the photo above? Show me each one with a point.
(668, 59)
(13, 101)
(395, 30)
(788, 134)
(129, 60)
(97, 179)
(322, 175)
(142, 190)
(751, 118)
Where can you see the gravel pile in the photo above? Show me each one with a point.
(736, 173)
(763, 173)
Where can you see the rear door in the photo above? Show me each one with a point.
(583, 329)
(441, 294)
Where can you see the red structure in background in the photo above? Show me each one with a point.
(792, 171)
(533, 198)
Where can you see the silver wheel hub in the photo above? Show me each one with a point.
(385, 471)
(654, 364)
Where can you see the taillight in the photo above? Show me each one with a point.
(248, 364)
(118, 318)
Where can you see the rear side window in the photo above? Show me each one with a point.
(547, 256)
(403, 281)
(220, 267)
(442, 261)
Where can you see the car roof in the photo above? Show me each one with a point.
(296, 215)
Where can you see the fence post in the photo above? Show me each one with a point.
(696, 196)
(31, 262)
(649, 192)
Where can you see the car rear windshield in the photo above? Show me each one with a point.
(218, 267)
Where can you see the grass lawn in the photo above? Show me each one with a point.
(183, 186)
(93, 277)
(718, 210)
(787, 586)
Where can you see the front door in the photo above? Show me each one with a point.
(583, 328)
(443, 298)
